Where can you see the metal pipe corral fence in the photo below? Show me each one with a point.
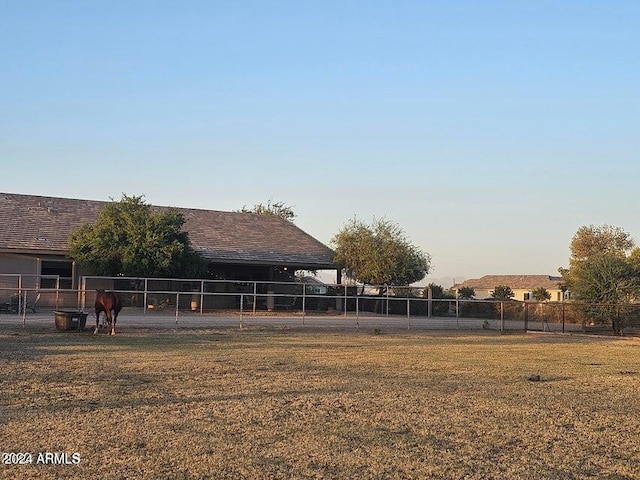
(190, 299)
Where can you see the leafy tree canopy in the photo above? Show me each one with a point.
(540, 294)
(502, 292)
(278, 209)
(130, 239)
(437, 292)
(467, 293)
(604, 267)
(379, 254)
(604, 278)
(603, 239)
(634, 257)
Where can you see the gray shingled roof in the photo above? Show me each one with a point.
(525, 282)
(35, 224)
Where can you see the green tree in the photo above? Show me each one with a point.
(278, 209)
(379, 254)
(603, 239)
(603, 266)
(466, 293)
(604, 272)
(604, 278)
(437, 291)
(502, 292)
(634, 257)
(540, 294)
(131, 239)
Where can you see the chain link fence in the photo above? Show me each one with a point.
(199, 301)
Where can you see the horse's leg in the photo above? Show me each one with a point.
(112, 327)
(97, 321)
(115, 319)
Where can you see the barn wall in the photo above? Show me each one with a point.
(23, 264)
(12, 265)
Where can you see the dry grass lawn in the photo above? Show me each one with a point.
(294, 403)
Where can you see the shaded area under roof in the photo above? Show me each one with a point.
(37, 224)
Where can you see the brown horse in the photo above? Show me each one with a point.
(107, 302)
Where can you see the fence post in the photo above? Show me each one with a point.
(387, 295)
(304, 301)
(457, 314)
(255, 291)
(24, 310)
(177, 304)
(345, 300)
(57, 292)
(429, 302)
(201, 297)
(20, 294)
(526, 316)
(82, 294)
(408, 313)
(241, 309)
(562, 317)
(145, 295)
(502, 316)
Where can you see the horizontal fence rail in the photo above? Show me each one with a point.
(190, 302)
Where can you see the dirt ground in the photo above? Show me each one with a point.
(291, 403)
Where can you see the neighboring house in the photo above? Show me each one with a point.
(522, 286)
(238, 246)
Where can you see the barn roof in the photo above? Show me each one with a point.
(37, 224)
(524, 282)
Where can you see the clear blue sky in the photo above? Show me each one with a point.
(489, 130)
